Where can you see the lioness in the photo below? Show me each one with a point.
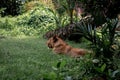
(61, 47)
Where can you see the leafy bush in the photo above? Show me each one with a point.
(103, 41)
(38, 18)
(34, 22)
(75, 69)
(60, 20)
(42, 18)
(6, 24)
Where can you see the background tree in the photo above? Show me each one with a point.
(102, 9)
(11, 7)
(99, 9)
(65, 6)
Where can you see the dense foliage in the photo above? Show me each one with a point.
(99, 9)
(102, 9)
(34, 22)
(10, 7)
(103, 42)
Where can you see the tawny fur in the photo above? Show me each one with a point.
(61, 47)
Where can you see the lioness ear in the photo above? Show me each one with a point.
(55, 39)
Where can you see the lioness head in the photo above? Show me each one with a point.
(52, 41)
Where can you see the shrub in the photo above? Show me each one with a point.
(102, 41)
(36, 21)
(38, 18)
(6, 23)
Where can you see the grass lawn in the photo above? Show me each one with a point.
(27, 58)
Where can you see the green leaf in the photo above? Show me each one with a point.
(63, 63)
(103, 67)
(53, 75)
(60, 64)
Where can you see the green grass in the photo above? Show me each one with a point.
(26, 58)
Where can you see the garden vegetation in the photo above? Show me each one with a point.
(25, 26)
